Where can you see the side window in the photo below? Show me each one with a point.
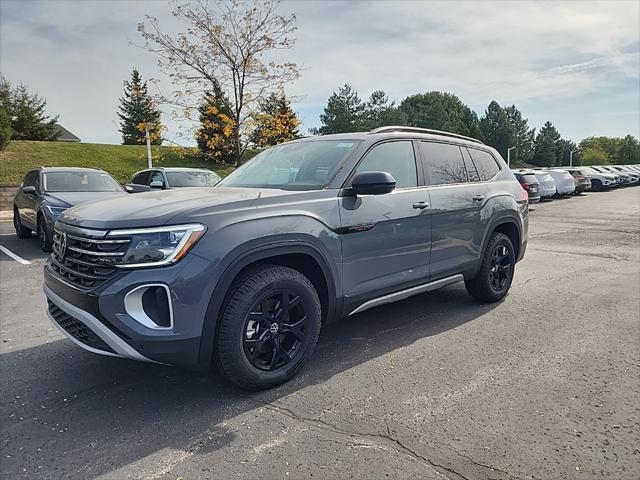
(471, 168)
(444, 163)
(30, 179)
(485, 163)
(397, 158)
(141, 179)
(156, 176)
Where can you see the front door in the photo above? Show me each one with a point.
(385, 238)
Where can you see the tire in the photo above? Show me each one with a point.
(45, 240)
(486, 286)
(258, 346)
(596, 185)
(21, 230)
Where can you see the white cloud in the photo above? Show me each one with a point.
(77, 54)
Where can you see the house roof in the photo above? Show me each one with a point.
(65, 135)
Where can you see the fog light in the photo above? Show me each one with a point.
(151, 306)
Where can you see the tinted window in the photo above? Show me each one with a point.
(485, 164)
(192, 179)
(142, 178)
(79, 182)
(397, 158)
(30, 179)
(444, 163)
(528, 178)
(472, 173)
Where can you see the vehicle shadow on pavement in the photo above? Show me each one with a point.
(78, 415)
(28, 248)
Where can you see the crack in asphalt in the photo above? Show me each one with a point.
(399, 446)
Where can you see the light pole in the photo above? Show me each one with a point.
(509, 155)
(571, 157)
(146, 134)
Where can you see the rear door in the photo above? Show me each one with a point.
(385, 238)
(457, 195)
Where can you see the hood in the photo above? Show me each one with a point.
(69, 199)
(156, 208)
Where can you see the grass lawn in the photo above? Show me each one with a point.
(121, 161)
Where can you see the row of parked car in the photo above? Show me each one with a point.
(549, 183)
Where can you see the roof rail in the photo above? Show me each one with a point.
(422, 130)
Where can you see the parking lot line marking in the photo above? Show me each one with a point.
(14, 256)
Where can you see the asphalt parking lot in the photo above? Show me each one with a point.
(544, 385)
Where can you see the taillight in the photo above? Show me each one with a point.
(526, 186)
(523, 195)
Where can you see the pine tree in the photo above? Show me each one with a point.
(27, 112)
(216, 135)
(547, 151)
(496, 128)
(5, 113)
(342, 114)
(380, 112)
(276, 122)
(522, 136)
(136, 109)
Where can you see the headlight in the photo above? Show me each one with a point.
(55, 211)
(152, 247)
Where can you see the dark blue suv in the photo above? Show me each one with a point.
(243, 275)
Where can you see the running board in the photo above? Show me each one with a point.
(409, 292)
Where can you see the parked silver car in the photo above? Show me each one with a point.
(547, 189)
(565, 184)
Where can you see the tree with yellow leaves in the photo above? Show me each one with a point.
(275, 123)
(217, 132)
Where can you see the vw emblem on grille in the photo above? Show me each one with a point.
(274, 328)
(62, 249)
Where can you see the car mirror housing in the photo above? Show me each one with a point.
(373, 183)
(30, 189)
(156, 184)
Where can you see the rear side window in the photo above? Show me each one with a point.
(471, 168)
(397, 158)
(528, 178)
(485, 164)
(444, 163)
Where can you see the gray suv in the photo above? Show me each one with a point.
(243, 275)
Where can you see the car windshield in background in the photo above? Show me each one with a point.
(79, 182)
(192, 179)
(293, 166)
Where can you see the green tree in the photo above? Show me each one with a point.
(547, 152)
(522, 137)
(568, 146)
(380, 112)
(29, 120)
(5, 113)
(496, 129)
(629, 150)
(276, 122)
(136, 109)
(593, 156)
(217, 132)
(610, 145)
(441, 111)
(342, 114)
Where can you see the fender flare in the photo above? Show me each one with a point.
(241, 261)
(496, 222)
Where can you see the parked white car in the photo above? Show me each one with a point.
(547, 189)
(565, 185)
(601, 181)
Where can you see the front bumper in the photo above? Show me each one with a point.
(116, 333)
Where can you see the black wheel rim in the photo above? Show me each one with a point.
(42, 235)
(274, 330)
(500, 267)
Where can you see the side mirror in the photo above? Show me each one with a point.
(136, 188)
(373, 183)
(156, 184)
(29, 190)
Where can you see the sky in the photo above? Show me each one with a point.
(576, 64)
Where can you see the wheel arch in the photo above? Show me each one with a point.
(298, 255)
(510, 226)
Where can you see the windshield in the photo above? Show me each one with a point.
(79, 182)
(293, 166)
(192, 179)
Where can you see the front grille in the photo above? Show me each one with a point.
(86, 262)
(77, 329)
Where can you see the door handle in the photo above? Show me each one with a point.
(421, 205)
(477, 198)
